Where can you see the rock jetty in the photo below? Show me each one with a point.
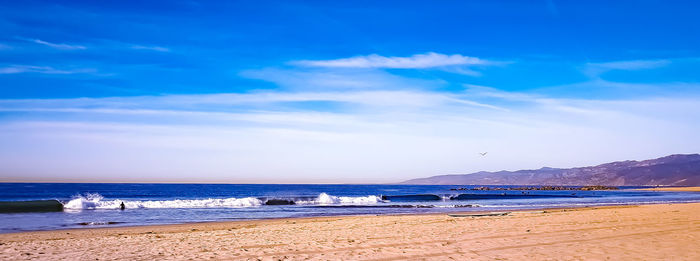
(542, 188)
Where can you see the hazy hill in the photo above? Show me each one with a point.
(678, 170)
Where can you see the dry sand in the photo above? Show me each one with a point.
(672, 189)
(648, 232)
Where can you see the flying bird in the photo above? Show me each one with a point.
(483, 153)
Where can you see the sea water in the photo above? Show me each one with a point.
(98, 204)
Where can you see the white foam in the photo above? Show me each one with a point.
(325, 199)
(458, 206)
(89, 201)
(96, 202)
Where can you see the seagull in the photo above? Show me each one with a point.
(483, 153)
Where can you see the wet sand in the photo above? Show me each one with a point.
(647, 232)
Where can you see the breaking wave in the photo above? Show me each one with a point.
(325, 199)
(95, 201)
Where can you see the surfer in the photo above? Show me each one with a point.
(122, 206)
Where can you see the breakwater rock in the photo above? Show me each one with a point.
(542, 188)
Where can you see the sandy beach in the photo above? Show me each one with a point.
(695, 189)
(648, 232)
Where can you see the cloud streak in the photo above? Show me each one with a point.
(596, 69)
(150, 48)
(60, 46)
(323, 79)
(402, 100)
(417, 61)
(14, 69)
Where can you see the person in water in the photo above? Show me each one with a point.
(122, 206)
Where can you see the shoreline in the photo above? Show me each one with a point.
(553, 208)
(294, 219)
(262, 220)
(388, 237)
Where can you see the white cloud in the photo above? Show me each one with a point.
(322, 79)
(490, 92)
(631, 65)
(462, 70)
(379, 136)
(13, 69)
(57, 45)
(595, 69)
(404, 100)
(150, 48)
(329, 124)
(427, 60)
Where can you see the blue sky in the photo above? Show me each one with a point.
(330, 91)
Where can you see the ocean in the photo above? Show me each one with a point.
(98, 204)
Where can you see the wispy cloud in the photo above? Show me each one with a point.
(150, 48)
(595, 69)
(381, 136)
(338, 78)
(5, 47)
(490, 92)
(371, 123)
(428, 60)
(60, 46)
(462, 70)
(13, 69)
(358, 100)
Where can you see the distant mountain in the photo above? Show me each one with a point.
(676, 170)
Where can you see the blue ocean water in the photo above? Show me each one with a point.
(98, 204)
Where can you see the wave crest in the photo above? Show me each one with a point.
(96, 202)
(325, 199)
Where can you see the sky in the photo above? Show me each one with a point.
(340, 91)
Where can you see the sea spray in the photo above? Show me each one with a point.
(89, 201)
(325, 199)
(95, 201)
